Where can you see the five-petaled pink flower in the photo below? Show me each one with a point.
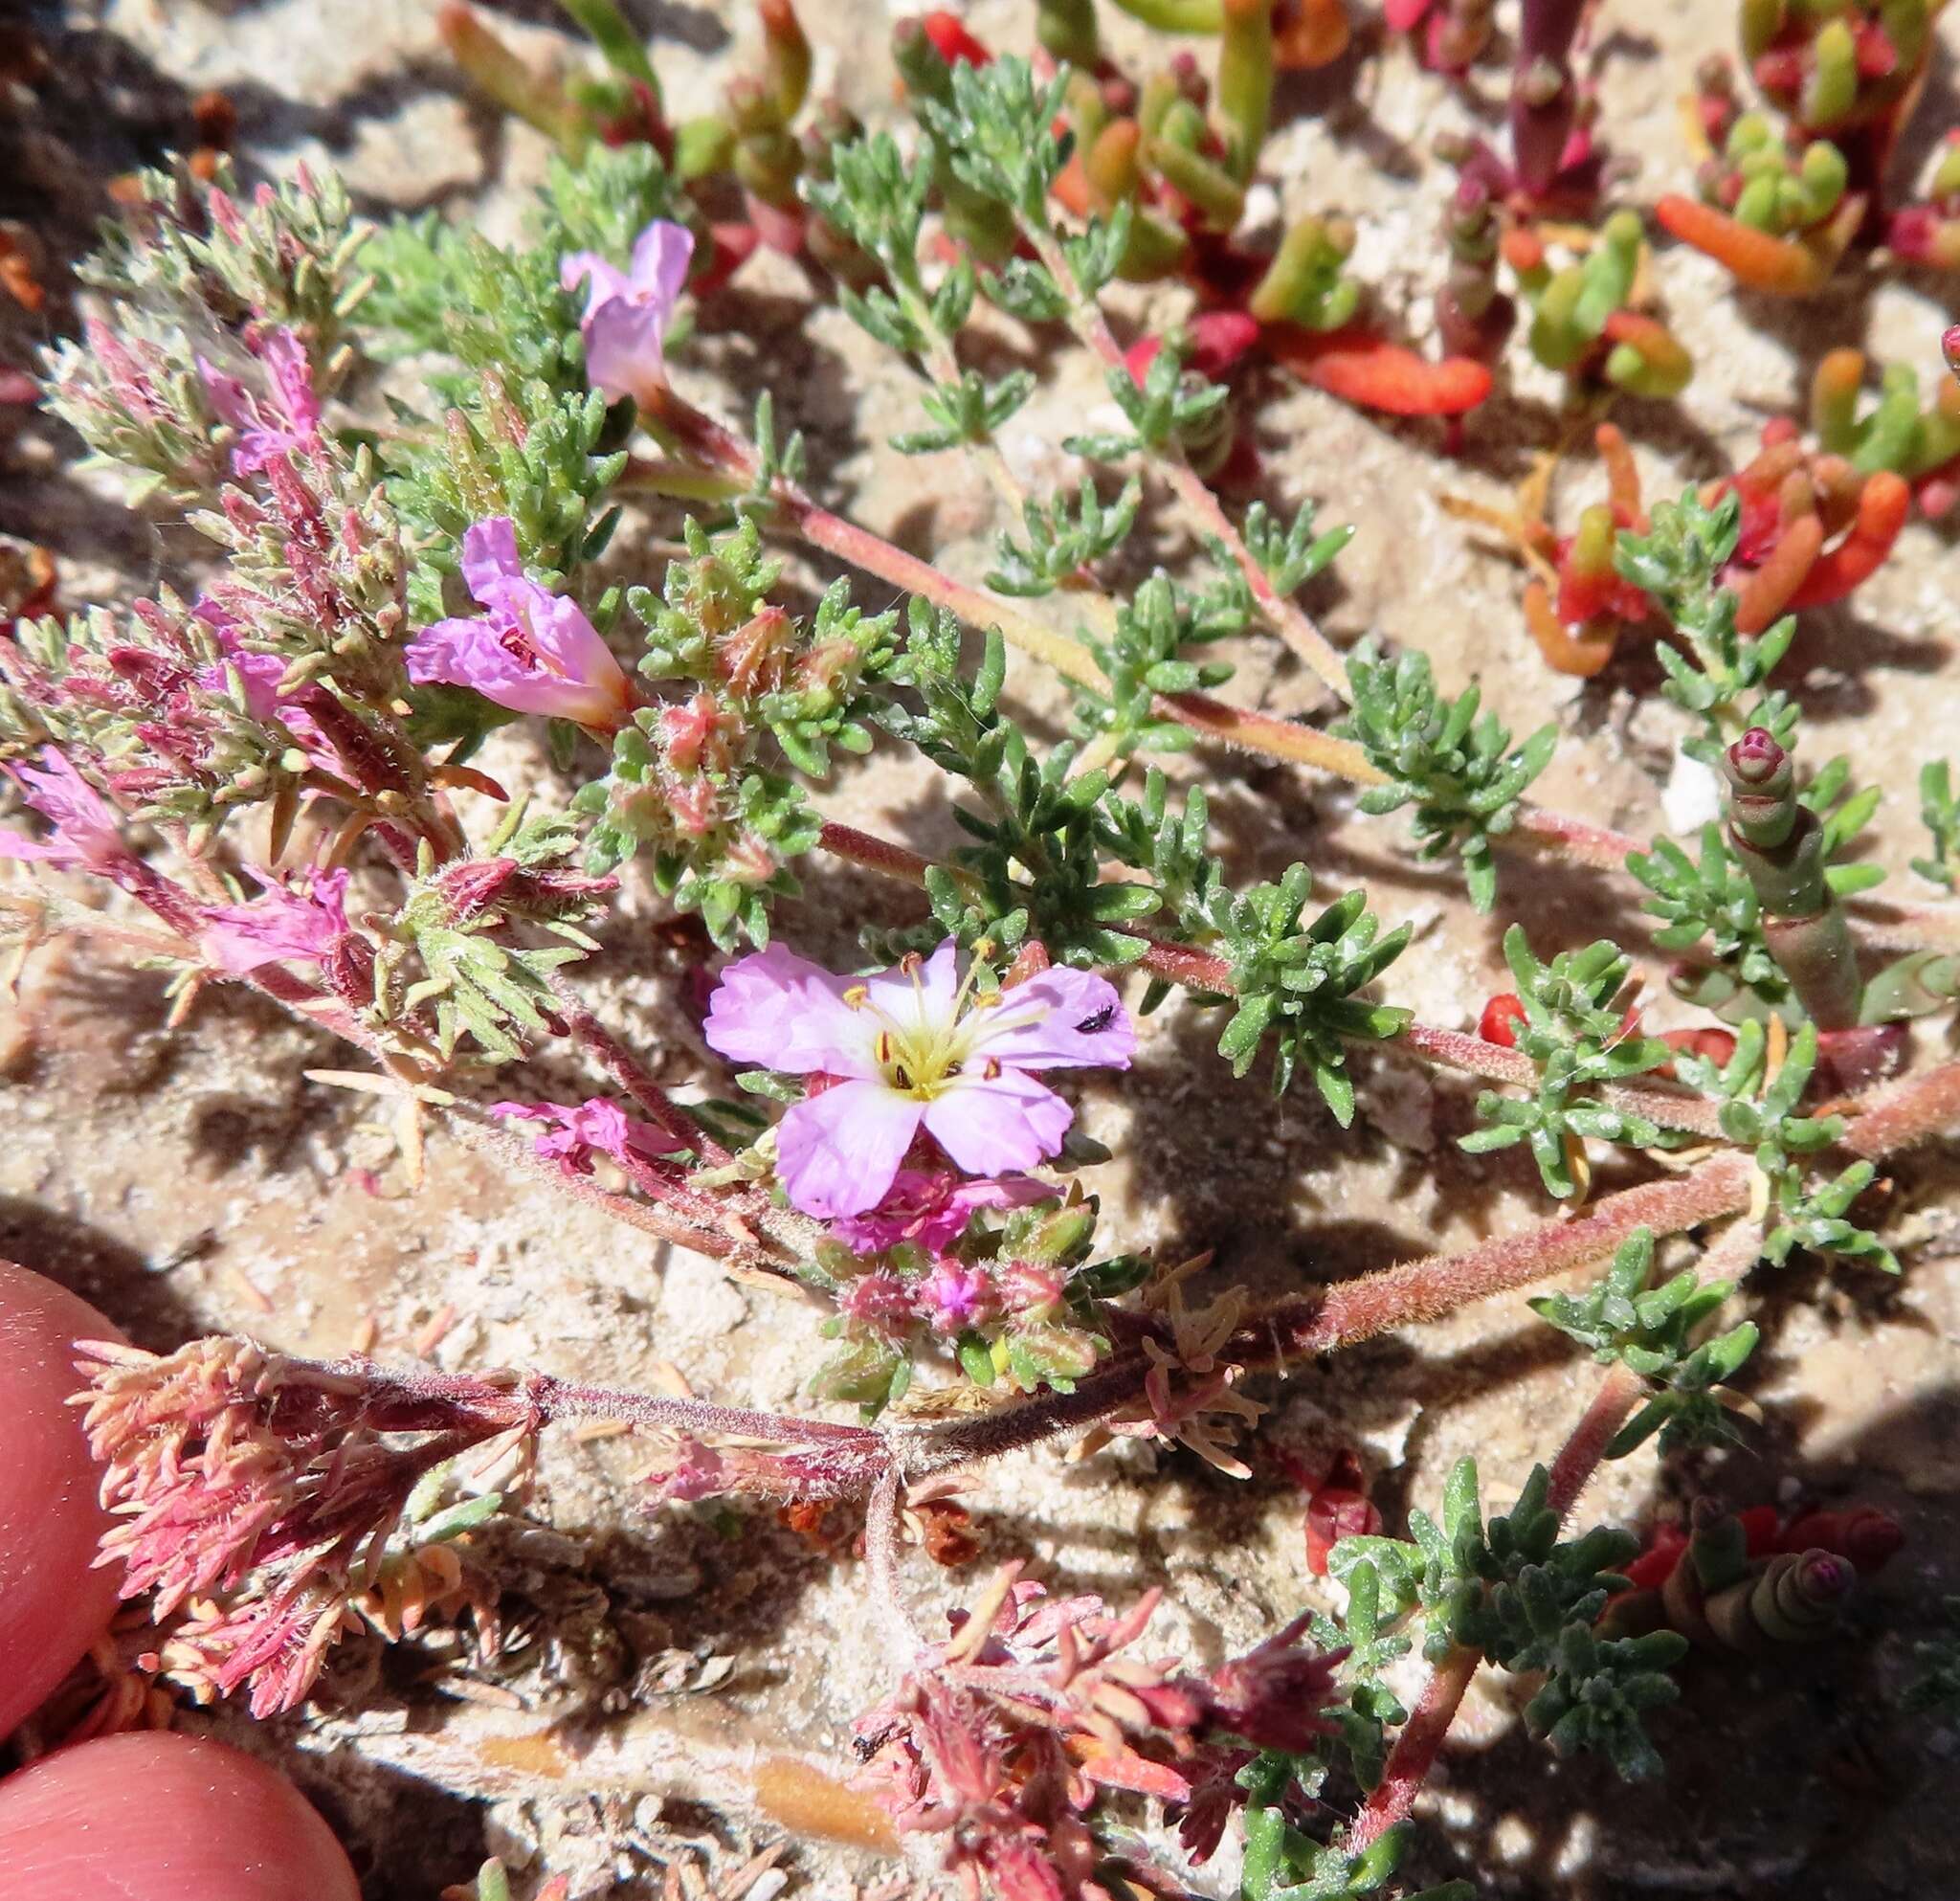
(916, 1048)
(534, 651)
(304, 920)
(86, 836)
(628, 312)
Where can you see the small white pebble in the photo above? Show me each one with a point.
(1692, 797)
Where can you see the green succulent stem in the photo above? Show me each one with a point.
(1780, 845)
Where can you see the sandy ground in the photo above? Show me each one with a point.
(684, 1671)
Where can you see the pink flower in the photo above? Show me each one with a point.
(284, 423)
(534, 652)
(931, 1208)
(306, 921)
(574, 1133)
(628, 312)
(917, 1049)
(955, 1297)
(86, 836)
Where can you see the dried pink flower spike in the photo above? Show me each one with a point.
(86, 835)
(628, 312)
(261, 1492)
(534, 651)
(917, 1049)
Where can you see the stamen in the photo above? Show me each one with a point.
(857, 995)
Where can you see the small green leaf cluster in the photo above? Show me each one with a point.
(696, 783)
(1651, 1331)
(1170, 407)
(1939, 812)
(1296, 981)
(1680, 562)
(1528, 1600)
(1036, 867)
(1712, 900)
(1461, 773)
(446, 949)
(1575, 1030)
(1063, 539)
(997, 128)
(879, 201)
(1765, 1115)
(1291, 554)
(1146, 655)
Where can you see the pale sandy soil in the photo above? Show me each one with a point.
(193, 1180)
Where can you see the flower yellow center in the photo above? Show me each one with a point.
(920, 1058)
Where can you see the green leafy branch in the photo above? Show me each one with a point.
(1575, 1030)
(1652, 1332)
(1459, 770)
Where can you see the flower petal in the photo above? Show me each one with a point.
(660, 256)
(624, 355)
(564, 636)
(926, 1004)
(603, 282)
(997, 1125)
(490, 556)
(1062, 1019)
(787, 1014)
(837, 1151)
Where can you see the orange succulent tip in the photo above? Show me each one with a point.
(1580, 651)
(1774, 586)
(1840, 372)
(1881, 510)
(1071, 190)
(1307, 34)
(1622, 478)
(1780, 429)
(1767, 473)
(1523, 249)
(1779, 266)
(1109, 168)
(1796, 497)
(1375, 374)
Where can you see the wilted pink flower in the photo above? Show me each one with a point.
(284, 422)
(86, 837)
(534, 651)
(955, 1296)
(304, 920)
(930, 1209)
(574, 1133)
(916, 1048)
(628, 312)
